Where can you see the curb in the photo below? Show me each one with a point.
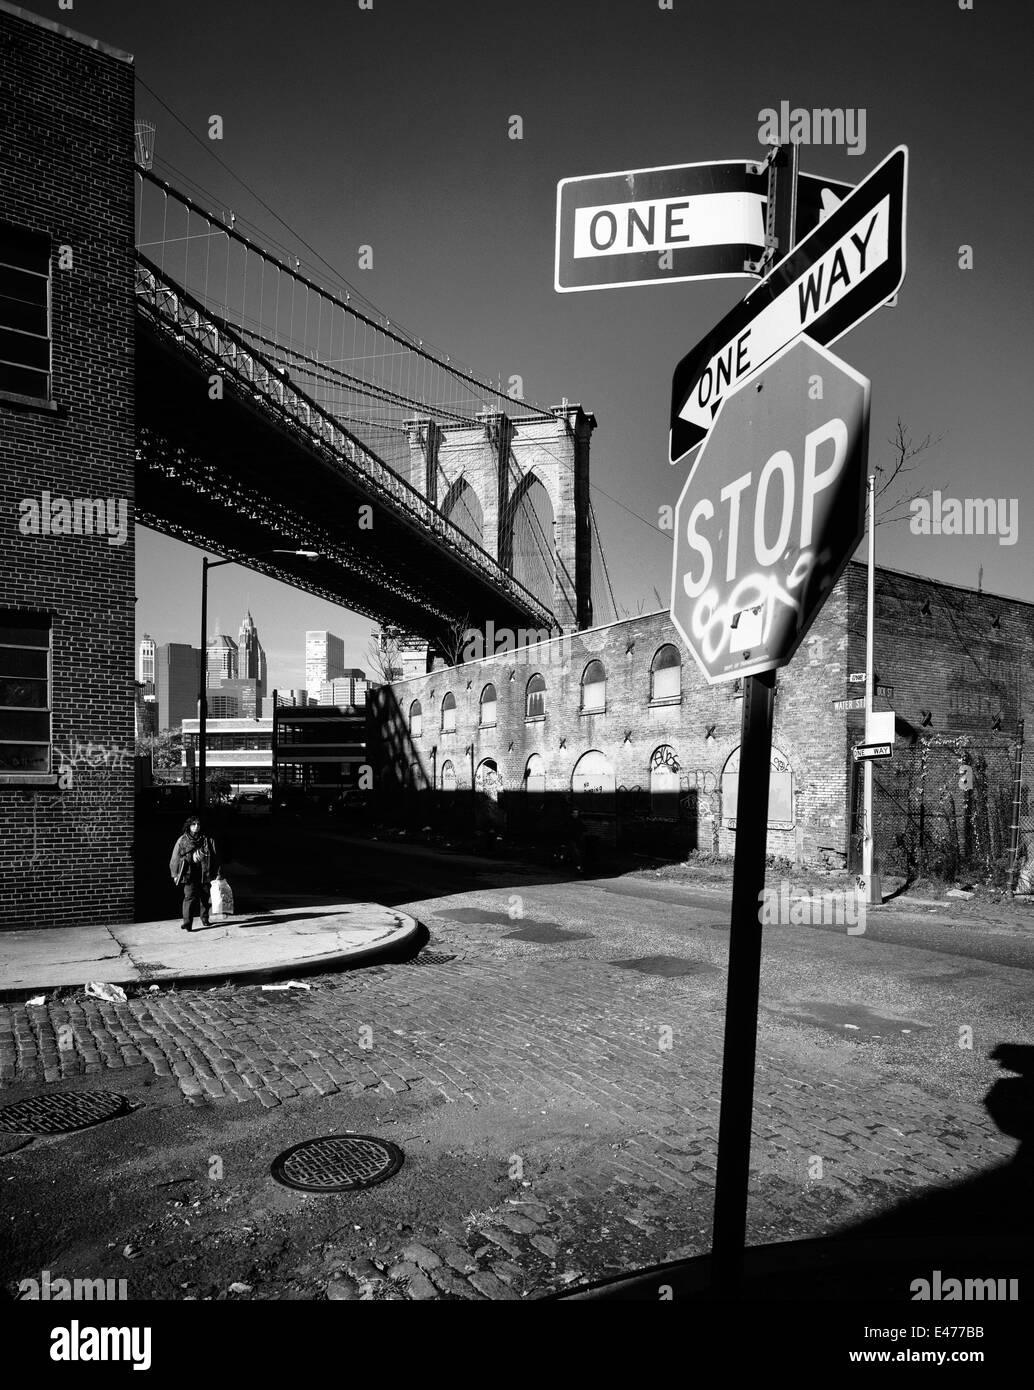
(395, 945)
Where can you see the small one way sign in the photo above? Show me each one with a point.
(837, 275)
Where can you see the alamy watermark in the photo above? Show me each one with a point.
(939, 1288)
(966, 516)
(47, 515)
(821, 126)
(507, 641)
(46, 1287)
(832, 908)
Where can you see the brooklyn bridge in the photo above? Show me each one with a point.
(275, 413)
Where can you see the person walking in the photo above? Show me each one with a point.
(194, 863)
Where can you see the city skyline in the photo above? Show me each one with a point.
(289, 671)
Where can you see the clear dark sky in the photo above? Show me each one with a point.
(389, 128)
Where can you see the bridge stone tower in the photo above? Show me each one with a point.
(497, 462)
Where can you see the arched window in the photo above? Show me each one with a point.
(535, 698)
(593, 775)
(666, 674)
(449, 713)
(781, 811)
(488, 707)
(448, 776)
(416, 719)
(594, 688)
(535, 775)
(664, 783)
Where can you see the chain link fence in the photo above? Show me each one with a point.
(956, 809)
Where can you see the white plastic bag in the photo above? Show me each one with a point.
(222, 897)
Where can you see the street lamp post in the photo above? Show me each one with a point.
(202, 699)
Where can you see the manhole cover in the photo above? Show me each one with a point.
(668, 966)
(544, 932)
(432, 958)
(338, 1163)
(62, 1114)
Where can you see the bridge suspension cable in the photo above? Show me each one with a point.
(354, 367)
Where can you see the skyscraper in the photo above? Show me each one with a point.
(145, 669)
(177, 677)
(223, 658)
(251, 657)
(348, 689)
(324, 660)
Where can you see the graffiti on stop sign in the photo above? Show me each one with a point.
(771, 511)
(745, 617)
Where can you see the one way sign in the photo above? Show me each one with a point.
(843, 270)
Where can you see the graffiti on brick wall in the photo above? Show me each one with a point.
(85, 803)
(90, 755)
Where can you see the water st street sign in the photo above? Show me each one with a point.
(843, 270)
(643, 226)
(771, 512)
(855, 702)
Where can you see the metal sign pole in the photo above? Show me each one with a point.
(202, 697)
(741, 1000)
(870, 871)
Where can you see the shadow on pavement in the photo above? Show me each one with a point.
(978, 1230)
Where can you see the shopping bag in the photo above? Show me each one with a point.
(222, 897)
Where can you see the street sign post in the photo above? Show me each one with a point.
(842, 271)
(879, 726)
(768, 518)
(647, 226)
(771, 512)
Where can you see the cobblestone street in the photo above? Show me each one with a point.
(556, 1098)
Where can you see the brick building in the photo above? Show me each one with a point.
(619, 721)
(66, 476)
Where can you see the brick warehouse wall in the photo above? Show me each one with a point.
(956, 659)
(67, 151)
(960, 663)
(703, 728)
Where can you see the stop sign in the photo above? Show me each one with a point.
(771, 512)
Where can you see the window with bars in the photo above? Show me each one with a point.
(25, 674)
(24, 312)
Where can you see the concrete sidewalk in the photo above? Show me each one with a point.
(283, 942)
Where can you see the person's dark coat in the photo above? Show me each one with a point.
(183, 865)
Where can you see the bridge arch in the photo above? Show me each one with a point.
(462, 506)
(528, 541)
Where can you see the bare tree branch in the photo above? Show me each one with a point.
(892, 477)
